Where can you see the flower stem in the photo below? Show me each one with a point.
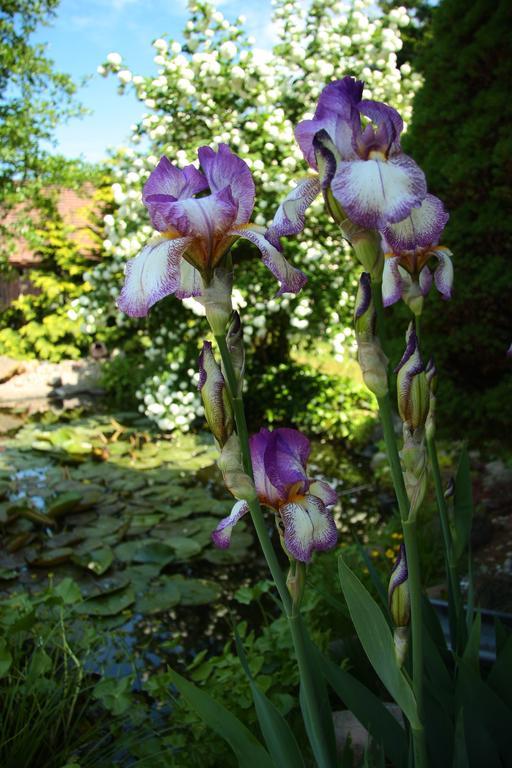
(254, 505)
(318, 730)
(411, 549)
(451, 566)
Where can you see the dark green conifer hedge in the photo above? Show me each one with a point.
(462, 137)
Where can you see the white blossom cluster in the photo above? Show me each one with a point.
(215, 86)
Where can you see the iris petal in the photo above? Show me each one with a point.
(291, 280)
(289, 217)
(221, 536)
(376, 192)
(443, 275)
(151, 275)
(225, 169)
(285, 460)
(391, 281)
(308, 526)
(421, 228)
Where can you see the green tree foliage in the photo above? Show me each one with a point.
(461, 137)
(33, 97)
(41, 323)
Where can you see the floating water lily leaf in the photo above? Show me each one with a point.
(161, 595)
(107, 585)
(65, 539)
(64, 503)
(141, 523)
(50, 557)
(108, 604)
(154, 552)
(141, 575)
(98, 561)
(196, 591)
(126, 551)
(184, 547)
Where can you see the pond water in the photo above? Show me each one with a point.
(128, 514)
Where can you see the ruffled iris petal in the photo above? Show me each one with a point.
(166, 184)
(308, 526)
(225, 169)
(291, 280)
(420, 228)
(324, 492)
(289, 217)
(190, 281)
(285, 460)
(376, 192)
(443, 275)
(151, 275)
(267, 493)
(391, 281)
(221, 536)
(205, 218)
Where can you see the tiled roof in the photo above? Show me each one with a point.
(75, 208)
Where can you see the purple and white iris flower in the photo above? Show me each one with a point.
(197, 230)
(354, 144)
(279, 460)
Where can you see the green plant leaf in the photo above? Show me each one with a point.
(377, 641)
(462, 504)
(460, 753)
(321, 701)
(278, 735)
(248, 750)
(369, 710)
(500, 676)
(5, 657)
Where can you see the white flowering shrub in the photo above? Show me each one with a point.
(218, 86)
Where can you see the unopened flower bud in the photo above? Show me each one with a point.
(230, 463)
(235, 343)
(430, 424)
(216, 299)
(371, 358)
(415, 464)
(412, 384)
(217, 406)
(400, 604)
(296, 582)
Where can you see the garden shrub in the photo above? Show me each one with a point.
(460, 136)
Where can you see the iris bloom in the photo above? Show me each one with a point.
(373, 181)
(199, 215)
(279, 460)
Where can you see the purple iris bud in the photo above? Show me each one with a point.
(400, 605)
(398, 591)
(217, 406)
(412, 384)
(196, 232)
(279, 460)
(371, 358)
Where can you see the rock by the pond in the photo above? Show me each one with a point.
(35, 387)
(9, 368)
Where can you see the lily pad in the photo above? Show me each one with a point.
(98, 561)
(154, 552)
(64, 503)
(107, 605)
(184, 547)
(161, 595)
(196, 591)
(50, 557)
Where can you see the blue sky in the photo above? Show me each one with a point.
(85, 31)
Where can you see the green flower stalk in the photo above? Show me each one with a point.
(371, 358)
